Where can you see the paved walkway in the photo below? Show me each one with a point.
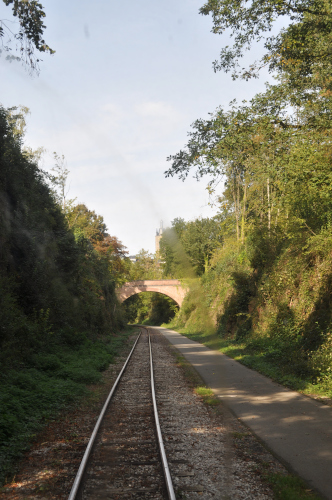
(296, 428)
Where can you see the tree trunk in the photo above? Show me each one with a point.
(243, 211)
(278, 212)
(236, 215)
(268, 206)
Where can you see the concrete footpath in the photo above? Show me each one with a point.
(296, 428)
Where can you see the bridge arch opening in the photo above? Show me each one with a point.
(154, 308)
(170, 295)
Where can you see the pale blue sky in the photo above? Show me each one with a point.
(127, 80)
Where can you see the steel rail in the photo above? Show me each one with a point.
(79, 475)
(168, 479)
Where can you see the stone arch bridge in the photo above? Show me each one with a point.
(171, 288)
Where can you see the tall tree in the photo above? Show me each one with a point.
(116, 253)
(186, 247)
(58, 179)
(201, 237)
(175, 261)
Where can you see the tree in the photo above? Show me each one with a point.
(90, 229)
(201, 237)
(29, 37)
(175, 261)
(86, 222)
(271, 278)
(146, 267)
(148, 305)
(186, 247)
(59, 180)
(16, 117)
(298, 49)
(250, 146)
(116, 253)
(179, 225)
(272, 161)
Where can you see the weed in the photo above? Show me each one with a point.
(208, 396)
(239, 435)
(289, 488)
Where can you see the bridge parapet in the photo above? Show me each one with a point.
(171, 288)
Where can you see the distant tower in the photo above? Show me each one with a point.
(159, 233)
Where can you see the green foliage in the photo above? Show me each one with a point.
(38, 256)
(162, 310)
(29, 38)
(300, 51)
(146, 267)
(186, 247)
(195, 312)
(58, 180)
(276, 318)
(199, 239)
(175, 262)
(53, 379)
(86, 222)
(207, 395)
(148, 307)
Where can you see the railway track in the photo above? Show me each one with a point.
(125, 457)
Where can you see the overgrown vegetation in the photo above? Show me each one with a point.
(265, 289)
(53, 379)
(28, 38)
(275, 319)
(290, 488)
(186, 247)
(58, 309)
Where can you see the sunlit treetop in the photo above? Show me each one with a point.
(28, 38)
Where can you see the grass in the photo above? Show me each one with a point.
(50, 382)
(290, 488)
(257, 357)
(207, 395)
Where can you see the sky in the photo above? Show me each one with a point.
(118, 97)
